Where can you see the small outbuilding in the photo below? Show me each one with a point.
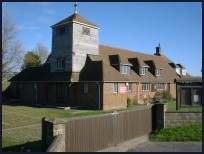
(188, 92)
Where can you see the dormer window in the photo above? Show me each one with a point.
(125, 69)
(143, 70)
(178, 70)
(61, 63)
(183, 71)
(158, 72)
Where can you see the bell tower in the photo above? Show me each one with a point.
(72, 39)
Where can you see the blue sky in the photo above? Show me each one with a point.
(137, 26)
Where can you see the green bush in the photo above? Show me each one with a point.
(162, 96)
(129, 102)
(132, 102)
(166, 95)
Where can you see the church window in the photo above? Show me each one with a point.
(61, 31)
(86, 31)
(86, 87)
(61, 63)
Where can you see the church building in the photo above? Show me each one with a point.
(81, 72)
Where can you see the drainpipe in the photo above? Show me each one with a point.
(138, 93)
(99, 95)
(36, 93)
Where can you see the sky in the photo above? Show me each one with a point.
(136, 26)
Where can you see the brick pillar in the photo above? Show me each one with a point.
(50, 129)
(160, 109)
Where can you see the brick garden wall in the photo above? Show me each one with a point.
(165, 119)
(182, 118)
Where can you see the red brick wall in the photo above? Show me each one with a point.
(76, 95)
(87, 100)
(113, 100)
(148, 95)
(116, 100)
(173, 90)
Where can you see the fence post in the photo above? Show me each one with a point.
(50, 129)
(59, 129)
(160, 109)
(43, 139)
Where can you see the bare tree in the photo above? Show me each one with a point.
(42, 52)
(12, 49)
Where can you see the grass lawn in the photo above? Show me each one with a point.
(21, 125)
(182, 133)
(171, 106)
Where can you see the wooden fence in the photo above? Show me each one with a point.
(94, 133)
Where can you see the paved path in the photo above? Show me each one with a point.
(167, 147)
(142, 144)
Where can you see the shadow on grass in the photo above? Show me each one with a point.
(15, 102)
(27, 147)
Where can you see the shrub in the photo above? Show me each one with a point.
(129, 102)
(166, 95)
(162, 96)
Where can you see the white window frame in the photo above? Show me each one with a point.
(129, 87)
(158, 72)
(178, 71)
(86, 87)
(143, 70)
(115, 87)
(145, 87)
(160, 86)
(183, 71)
(124, 69)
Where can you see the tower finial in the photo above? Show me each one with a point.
(75, 5)
(159, 44)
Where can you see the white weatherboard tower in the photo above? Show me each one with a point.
(72, 39)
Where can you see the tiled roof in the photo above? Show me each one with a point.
(181, 66)
(137, 63)
(173, 65)
(154, 64)
(99, 68)
(190, 79)
(32, 73)
(111, 74)
(95, 57)
(74, 17)
(43, 73)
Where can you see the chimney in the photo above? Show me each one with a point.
(158, 50)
